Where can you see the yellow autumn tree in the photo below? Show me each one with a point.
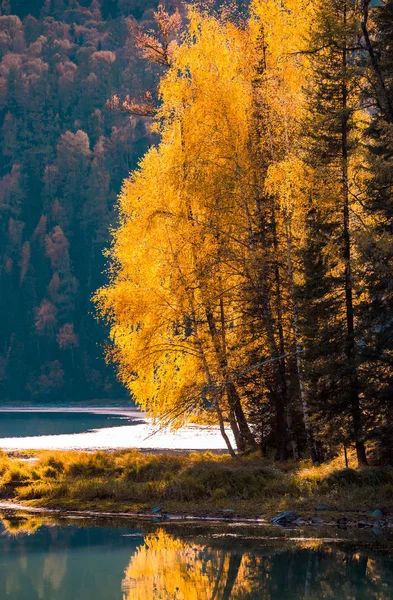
(190, 254)
(172, 300)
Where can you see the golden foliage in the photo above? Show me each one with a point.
(184, 249)
(168, 263)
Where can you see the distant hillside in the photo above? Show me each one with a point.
(64, 155)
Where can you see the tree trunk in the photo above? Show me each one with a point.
(383, 97)
(279, 393)
(346, 456)
(222, 429)
(350, 335)
(282, 364)
(298, 347)
(216, 395)
(280, 387)
(246, 439)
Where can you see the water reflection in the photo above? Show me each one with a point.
(168, 568)
(165, 567)
(43, 559)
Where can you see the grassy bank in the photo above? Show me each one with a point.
(189, 483)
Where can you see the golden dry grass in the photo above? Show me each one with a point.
(198, 483)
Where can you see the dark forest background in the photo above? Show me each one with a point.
(64, 155)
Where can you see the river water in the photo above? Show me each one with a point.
(47, 559)
(67, 429)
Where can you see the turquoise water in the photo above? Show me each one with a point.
(48, 560)
(27, 424)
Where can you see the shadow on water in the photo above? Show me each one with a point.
(51, 559)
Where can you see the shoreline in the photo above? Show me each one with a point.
(143, 515)
(384, 526)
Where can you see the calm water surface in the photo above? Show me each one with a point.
(82, 560)
(27, 424)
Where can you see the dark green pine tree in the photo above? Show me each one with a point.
(321, 334)
(336, 63)
(377, 312)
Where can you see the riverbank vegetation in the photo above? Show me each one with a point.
(250, 276)
(201, 484)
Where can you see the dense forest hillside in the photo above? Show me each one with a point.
(64, 155)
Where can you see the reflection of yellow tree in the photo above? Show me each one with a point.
(21, 526)
(166, 568)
